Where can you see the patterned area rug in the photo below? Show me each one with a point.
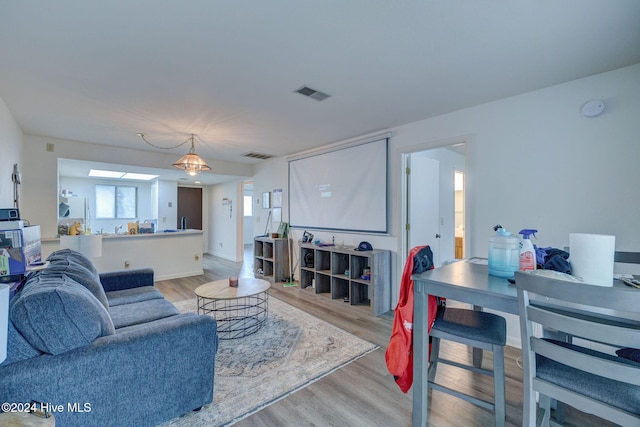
(291, 350)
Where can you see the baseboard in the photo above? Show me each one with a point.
(179, 275)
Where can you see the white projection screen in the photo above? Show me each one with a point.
(343, 190)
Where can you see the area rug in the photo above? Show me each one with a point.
(292, 350)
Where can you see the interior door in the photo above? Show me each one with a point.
(424, 204)
(190, 207)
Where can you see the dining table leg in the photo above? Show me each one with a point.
(477, 352)
(420, 357)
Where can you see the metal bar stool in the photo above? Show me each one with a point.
(477, 329)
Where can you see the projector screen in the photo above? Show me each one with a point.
(345, 189)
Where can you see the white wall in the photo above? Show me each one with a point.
(533, 161)
(225, 228)
(268, 176)
(167, 205)
(11, 153)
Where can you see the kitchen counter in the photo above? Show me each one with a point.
(171, 254)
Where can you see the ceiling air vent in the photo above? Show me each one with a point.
(312, 93)
(258, 155)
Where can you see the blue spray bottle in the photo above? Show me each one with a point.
(527, 252)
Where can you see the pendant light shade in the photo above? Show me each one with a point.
(191, 162)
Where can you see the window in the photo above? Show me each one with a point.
(115, 201)
(248, 206)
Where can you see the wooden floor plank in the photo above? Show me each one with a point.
(363, 393)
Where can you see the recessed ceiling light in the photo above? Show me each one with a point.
(105, 174)
(139, 176)
(97, 173)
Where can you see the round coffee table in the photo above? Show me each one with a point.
(239, 311)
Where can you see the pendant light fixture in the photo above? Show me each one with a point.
(191, 163)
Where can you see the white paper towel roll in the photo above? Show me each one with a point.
(591, 257)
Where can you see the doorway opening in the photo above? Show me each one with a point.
(247, 229)
(433, 208)
(458, 209)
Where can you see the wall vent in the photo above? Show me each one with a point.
(312, 93)
(260, 156)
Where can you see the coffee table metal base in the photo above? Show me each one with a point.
(237, 317)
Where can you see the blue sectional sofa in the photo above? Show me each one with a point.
(105, 349)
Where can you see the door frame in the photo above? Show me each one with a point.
(404, 153)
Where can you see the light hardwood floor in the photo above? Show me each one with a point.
(363, 393)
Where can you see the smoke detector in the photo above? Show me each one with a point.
(593, 108)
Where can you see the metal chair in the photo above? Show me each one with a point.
(480, 330)
(592, 381)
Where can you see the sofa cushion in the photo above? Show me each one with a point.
(73, 256)
(128, 296)
(141, 312)
(79, 273)
(56, 314)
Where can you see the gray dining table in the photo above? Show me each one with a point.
(467, 281)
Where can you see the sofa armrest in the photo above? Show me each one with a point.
(126, 279)
(142, 376)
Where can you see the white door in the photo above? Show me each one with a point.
(423, 204)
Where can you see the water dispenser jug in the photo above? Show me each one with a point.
(504, 253)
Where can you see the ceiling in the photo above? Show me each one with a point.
(100, 72)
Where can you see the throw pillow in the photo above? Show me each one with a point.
(79, 273)
(55, 314)
(73, 256)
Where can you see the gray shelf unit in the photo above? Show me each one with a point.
(271, 259)
(323, 268)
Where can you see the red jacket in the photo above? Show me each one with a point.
(399, 355)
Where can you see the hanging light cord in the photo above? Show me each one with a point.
(143, 136)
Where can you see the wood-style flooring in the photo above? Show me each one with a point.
(363, 393)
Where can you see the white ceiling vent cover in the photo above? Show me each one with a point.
(312, 93)
(260, 156)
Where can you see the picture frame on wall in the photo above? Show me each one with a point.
(277, 198)
(266, 200)
(277, 215)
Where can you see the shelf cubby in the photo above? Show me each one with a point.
(362, 277)
(271, 259)
(323, 283)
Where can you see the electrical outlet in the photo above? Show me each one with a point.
(127, 264)
(220, 244)
(170, 204)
